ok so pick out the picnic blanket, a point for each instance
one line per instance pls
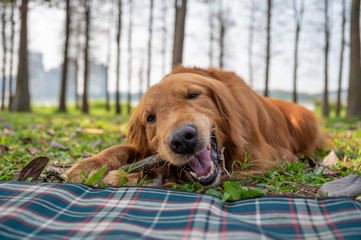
(74, 211)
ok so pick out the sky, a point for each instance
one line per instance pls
(46, 29)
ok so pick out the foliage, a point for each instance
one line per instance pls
(25, 136)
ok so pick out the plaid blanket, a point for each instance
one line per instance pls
(73, 211)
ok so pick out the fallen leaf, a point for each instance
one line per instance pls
(54, 144)
(330, 159)
(50, 132)
(97, 143)
(93, 130)
(33, 151)
(347, 187)
(33, 169)
(87, 155)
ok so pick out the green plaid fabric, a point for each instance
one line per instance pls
(73, 211)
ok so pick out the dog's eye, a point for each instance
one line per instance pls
(193, 95)
(151, 118)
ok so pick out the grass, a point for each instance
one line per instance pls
(33, 133)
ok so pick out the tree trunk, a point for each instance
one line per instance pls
(22, 96)
(118, 109)
(77, 97)
(298, 15)
(222, 32)
(85, 108)
(325, 106)
(12, 38)
(107, 97)
(164, 36)
(64, 73)
(354, 88)
(211, 32)
(338, 104)
(250, 41)
(130, 29)
(150, 33)
(268, 48)
(180, 16)
(3, 33)
(140, 75)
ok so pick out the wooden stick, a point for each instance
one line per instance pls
(146, 164)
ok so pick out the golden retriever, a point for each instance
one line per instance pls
(193, 114)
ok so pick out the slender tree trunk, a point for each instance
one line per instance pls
(130, 29)
(107, 97)
(338, 104)
(298, 15)
(85, 108)
(77, 98)
(222, 32)
(180, 16)
(3, 33)
(268, 47)
(22, 96)
(211, 32)
(140, 76)
(150, 33)
(12, 38)
(354, 88)
(64, 73)
(325, 106)
(118, 109)
(251, 27)
(164, 36)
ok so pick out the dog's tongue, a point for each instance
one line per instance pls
(201, 163)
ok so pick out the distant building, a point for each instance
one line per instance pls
(45, 85)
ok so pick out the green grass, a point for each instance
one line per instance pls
(34, 132)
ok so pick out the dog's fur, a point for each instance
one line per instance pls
(219, 104)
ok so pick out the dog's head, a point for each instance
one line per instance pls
(185, 119)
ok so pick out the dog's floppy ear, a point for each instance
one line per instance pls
(136, 136)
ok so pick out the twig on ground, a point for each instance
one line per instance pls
(146, 164)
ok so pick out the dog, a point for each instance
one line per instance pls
(202, 122)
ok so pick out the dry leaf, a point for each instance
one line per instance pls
(50, 132)
(330, 159)
(33, 151)
(93, 130)
(348, 187)
(87, 155)
(56, 145)
(33, 169)
(97, 143)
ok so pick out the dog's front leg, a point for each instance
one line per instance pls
(113, 157)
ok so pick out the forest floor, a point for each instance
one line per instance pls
(66, 138)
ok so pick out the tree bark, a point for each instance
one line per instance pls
(325, 106)
(22, 95)
(118, 108)
(130, 29)
(64, 73)
(354, 89)
(150, 33)
(211, 32)
(12, 38)
(298, 15)
(85, 107)
(3, 34)
(250, 40)
(222, 32)
(338, 104)
(164, 36)
(180, 16)
(268, 47)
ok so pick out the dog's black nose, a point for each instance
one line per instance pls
(183, 140)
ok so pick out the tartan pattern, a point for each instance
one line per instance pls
(74, 211)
